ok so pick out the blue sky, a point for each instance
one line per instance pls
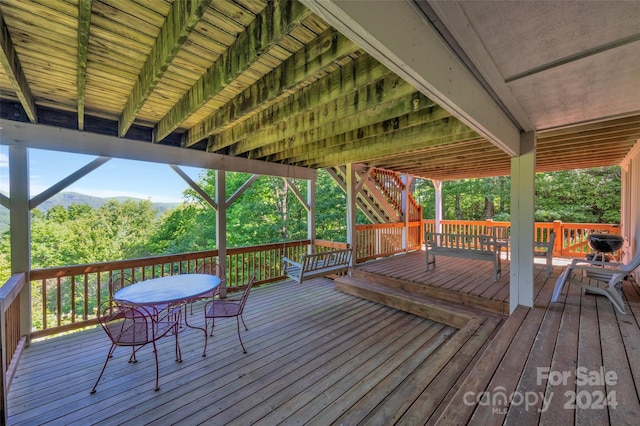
(155, 182)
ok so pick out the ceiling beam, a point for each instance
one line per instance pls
(402, 126)
(387, 116)
(324, 100)
(264, 32)
(84, 22)
(407, 133)
(377, 146)
(51, 138)
(420, 55)
(307, 116)
(13, 69)
(180, 22)
(291, 74)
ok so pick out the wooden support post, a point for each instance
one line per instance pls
(437, 185)
(522, 223)
(558, 244)
(311, 211)
(406, 180)
(19, 218)
(351, 210)
(221, 225)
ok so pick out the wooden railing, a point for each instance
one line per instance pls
(13, 342)
(571, 238)
(66, 298)
(390, 184)
(385, 239)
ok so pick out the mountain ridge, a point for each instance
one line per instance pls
(65, 199)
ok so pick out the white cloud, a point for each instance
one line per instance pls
(4, 160)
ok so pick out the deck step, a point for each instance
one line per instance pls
(453, 297)
(434, 309)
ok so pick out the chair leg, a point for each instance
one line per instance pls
(109, 355)
(243, 323)
(155, 354)
(610, 293)
(560, 284)
(240, 337)
(178, 351)
(212, 325)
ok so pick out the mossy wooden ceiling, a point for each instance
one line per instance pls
(262, 80)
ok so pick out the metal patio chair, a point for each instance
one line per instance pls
(119, 280)
(213, 268)
(229, 308)
(133, 325)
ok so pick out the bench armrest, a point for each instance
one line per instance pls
(291, 262)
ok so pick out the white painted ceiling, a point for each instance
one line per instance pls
(551, 63)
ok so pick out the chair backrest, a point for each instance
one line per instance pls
(213, 268)
(126, 323)
(119, 280)
(633, 264)
(245, 294)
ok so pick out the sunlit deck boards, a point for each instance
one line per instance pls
(314, 355)
(321, 357)
(464, 281)
(572, 341)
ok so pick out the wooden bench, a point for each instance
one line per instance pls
(545, 248)
(466, 246)
(317, 264)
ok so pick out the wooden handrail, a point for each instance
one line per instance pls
(65, 298)
(571, 238)
(13, 343)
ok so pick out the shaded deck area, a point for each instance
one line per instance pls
(320, 356)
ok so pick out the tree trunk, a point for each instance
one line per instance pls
(489, 208)
(458, 208)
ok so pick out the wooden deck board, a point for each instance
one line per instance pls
(425, 405)
(452, 280)
(319, 356)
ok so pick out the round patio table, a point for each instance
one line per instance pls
(171, 290)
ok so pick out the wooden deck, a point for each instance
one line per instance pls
(320, 356)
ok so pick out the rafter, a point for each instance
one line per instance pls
(312, 103)
(387, 112)
(180, 22)
(360, 150)
(265, 31)
(399, 127)
(317, 56)
(337, 104)
(11, 64)
(84, 22)
(453, 154)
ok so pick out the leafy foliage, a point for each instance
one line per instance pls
(589, 196)
(269, 211)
